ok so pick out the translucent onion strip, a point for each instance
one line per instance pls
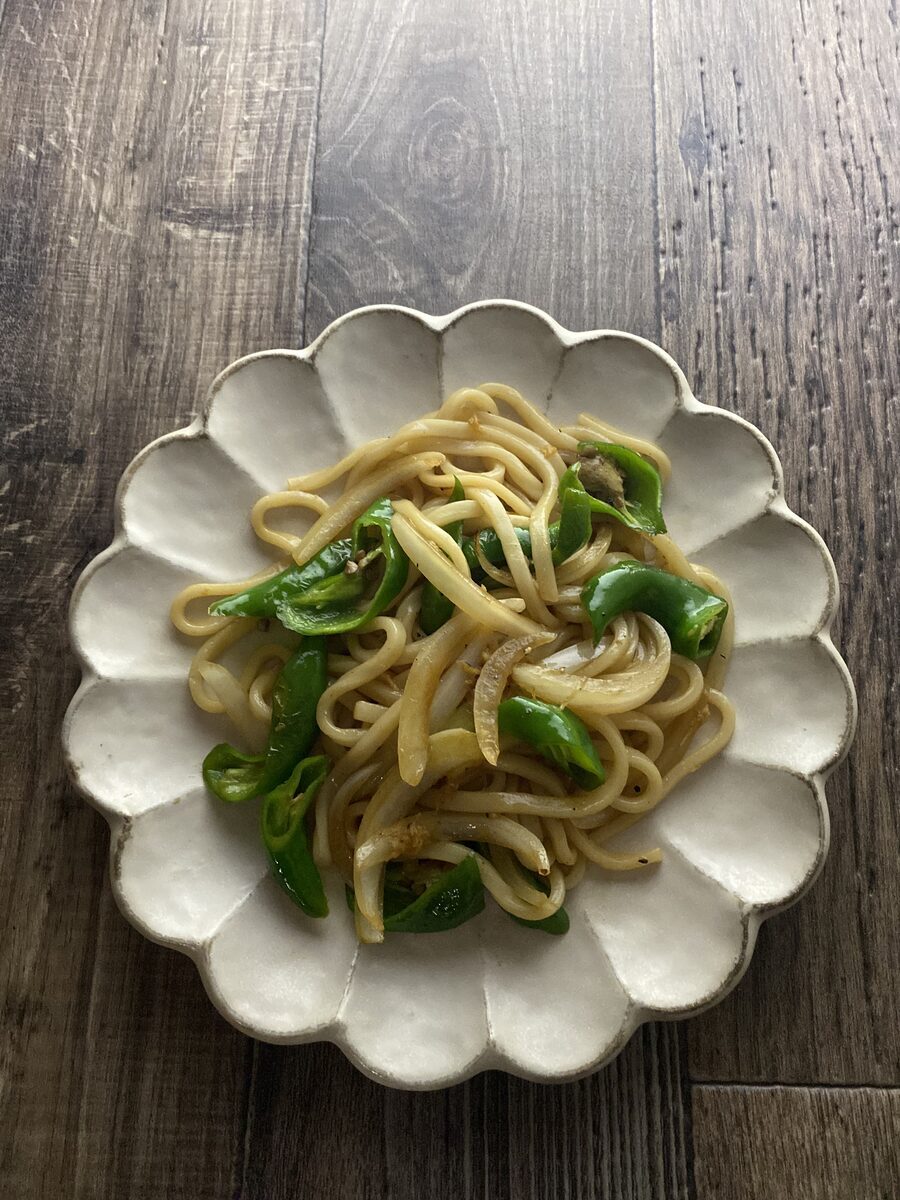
(491, 685)
(435, 534)
(482, 607)
(354, 502)
(615, 693)
(458, 680)
(415, 707)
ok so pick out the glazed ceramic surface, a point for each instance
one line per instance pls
(742, 838)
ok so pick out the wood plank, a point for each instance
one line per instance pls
(471, 150)
(778, 181)
(153, 221)
(796, 1143)
(467, 151)
(617, 1135)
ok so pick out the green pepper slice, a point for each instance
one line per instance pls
(285, 837)
(455, 897)
(436, 609)
(573, 529)
(344, 602)
(558, 734)
(234, 776)
(262, 599)
(619, 484)
(692, 616)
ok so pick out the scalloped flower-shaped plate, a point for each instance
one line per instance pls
(742, 838)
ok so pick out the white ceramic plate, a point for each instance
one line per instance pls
(742, 838)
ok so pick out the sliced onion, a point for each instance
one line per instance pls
(481, 606)
(492, 684)
(614, 693)
(457, 681)
(354, 502)
(434, 533)
(415, 708)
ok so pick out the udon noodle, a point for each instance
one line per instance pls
(420, 775)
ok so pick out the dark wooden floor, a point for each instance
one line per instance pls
(187, 180)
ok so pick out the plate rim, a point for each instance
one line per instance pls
(751, 915)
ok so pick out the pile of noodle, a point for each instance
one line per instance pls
(408, 721)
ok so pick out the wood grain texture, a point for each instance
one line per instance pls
(153, 220)
(184, 182)
(805, 1143)
(779, 194)
(617, 1135)
(475, 150)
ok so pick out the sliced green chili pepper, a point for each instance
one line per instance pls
(436, 609)
(558, 734)
(456, 896)
(285, 838)
(619, 484)
(692, 616)
(234, 776)
(573, 529)
(372, 577)
(262, 599)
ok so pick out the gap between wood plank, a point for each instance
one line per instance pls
(312, 179)
(772, 1085)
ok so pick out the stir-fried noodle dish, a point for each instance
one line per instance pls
(483, 660)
